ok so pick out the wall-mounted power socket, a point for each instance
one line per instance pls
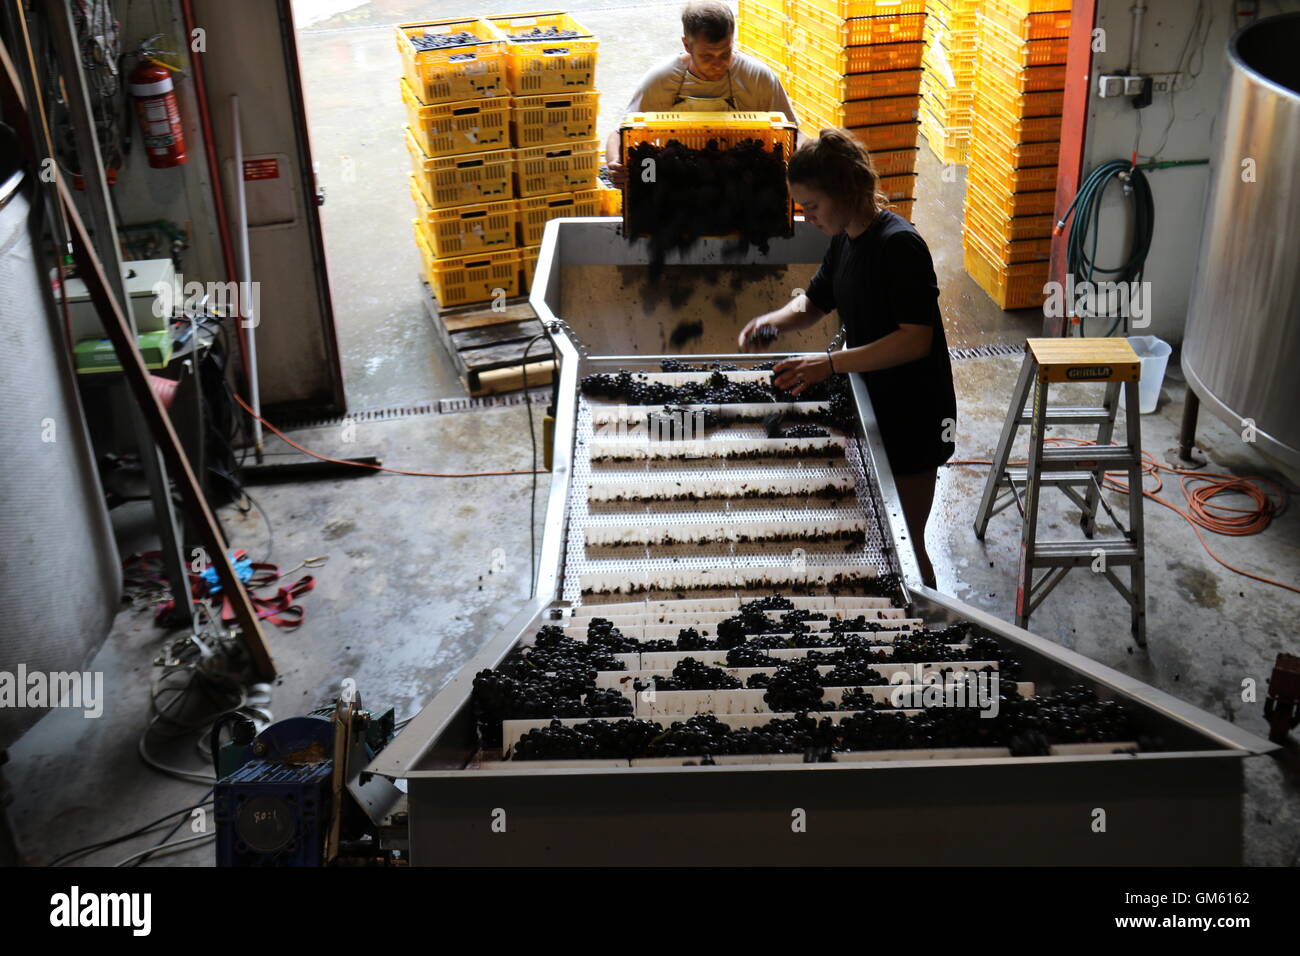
(1120, 84)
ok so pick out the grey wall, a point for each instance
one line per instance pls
(1113, 133)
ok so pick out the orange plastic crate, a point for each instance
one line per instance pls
(895, 162)
(1036, 6)
(536, 212)
(1011, 287)
(1041, 203)
(454, 73)
(1016, 129)
(561, 65)
(611, 200)
(842, 60)
(897, 188)
(856, 31)
(464, 126)
(1027, 26)
(463, 230)
(902, 208)
(467, 279)
(540, 170)
(553, 118)
(1017, 179)
(456, 180)
(886, 136)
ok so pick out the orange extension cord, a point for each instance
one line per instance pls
(361, 464)
(1200, 488)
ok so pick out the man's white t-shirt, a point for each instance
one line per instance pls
(752, 85)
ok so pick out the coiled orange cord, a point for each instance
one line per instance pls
(1200, 488)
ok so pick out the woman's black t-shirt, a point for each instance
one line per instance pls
(883, 279)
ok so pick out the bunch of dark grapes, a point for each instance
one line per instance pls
(850, 673)
(537, 34)
(690, 674)
(804, 431)
(615, 739)
(747, 655)
(796, 686)
(442, 41)
(603, 635)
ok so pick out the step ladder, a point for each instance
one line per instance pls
(1077, 471)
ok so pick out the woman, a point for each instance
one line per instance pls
(878, 275)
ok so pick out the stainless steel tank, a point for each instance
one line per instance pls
(1241, 348)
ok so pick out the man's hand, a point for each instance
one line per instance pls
(796, 374)
(758, 334)
(617, 174)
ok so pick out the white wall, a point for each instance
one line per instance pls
(1179, 193)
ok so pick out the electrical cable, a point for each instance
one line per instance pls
(361, 464)
(532, 437)
(1201, 511)
(165, 848)
(64, 858)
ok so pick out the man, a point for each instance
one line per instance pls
(708, 77)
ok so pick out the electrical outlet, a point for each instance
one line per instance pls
(1166, 82)
(1133, 85)
(1110, 84)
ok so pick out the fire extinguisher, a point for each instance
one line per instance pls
(160, 119)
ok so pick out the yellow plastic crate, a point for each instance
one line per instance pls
(843, 60)
(959, 41)
(1010, 251)
(467, 279)
(1017, 129)
(857, 31)
(540, 170)
(779, 68)
(846, 9)
(1024, 105)
(772, 50)
(950, 146)
(998, 43)
(1011, 287)
(1041, 203)
(454, 73)
(528, 265)
(452, 129)
(993, 169)
(761, 20)
(888, 109)
(895, 162)
(1027, 26)
(1011, 228)
(939, 61)
(557, 118)
(462, 230)
(948, 97)
(456, 180)
(537, 211)
(1017, 79)
(1032, 6)
(858, 86)
(1046, 153)
(697, 130)
(560, 65)
(777, 5)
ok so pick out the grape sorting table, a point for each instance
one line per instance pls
(659, 536)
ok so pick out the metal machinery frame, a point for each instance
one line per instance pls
(1178, 805)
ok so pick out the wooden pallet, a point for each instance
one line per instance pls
(487, 345)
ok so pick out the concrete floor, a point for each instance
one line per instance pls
(415, 582)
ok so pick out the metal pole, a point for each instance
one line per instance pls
(247, 316)
(105, 239)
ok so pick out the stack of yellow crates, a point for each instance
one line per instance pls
(859, 67)
(502, 136)
(1015, 146)
(948, 86)
(551, 70)
(763, 31)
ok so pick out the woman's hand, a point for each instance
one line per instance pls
(617, 174)
(796, 374)
(758, 334)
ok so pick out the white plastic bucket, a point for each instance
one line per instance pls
(1154, 353)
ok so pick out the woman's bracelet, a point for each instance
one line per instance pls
(831, 361)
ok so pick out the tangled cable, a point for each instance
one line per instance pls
(1200, 488)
